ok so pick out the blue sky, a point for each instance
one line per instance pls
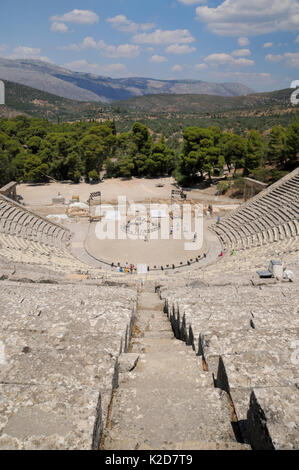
(253, 42)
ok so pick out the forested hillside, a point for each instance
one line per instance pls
(166, 115)
(163, 103)
(32, 149)
(33, 102)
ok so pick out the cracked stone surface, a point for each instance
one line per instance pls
(248, 337)
(58, 362)
(167, 400)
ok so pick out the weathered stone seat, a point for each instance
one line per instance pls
(60, 362)
(275, 206)
(271, 419)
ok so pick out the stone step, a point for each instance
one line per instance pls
(201, 445)
(159, 324)
(124, 443)
(149, 301)
(174, 413)
(151, 316)
(172, 369)
(158, 334)
(164, 345)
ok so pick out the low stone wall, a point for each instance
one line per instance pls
(253, 187)
(10, 190)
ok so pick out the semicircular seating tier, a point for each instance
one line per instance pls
(26, 237)
(270, 216)
(18, 221)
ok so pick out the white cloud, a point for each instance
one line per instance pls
(274, 58)
(297, 39)
(267, 44)
(77, 16)
(243, 41)
(115, 68)
(3, 47)
(178, 36)
(122, 23)
(240, 17)
(158, 59)
(223, 59)
(291, 58)
(59, 27)
(201, 66)
(24, 52)
(123, 50)
(255, 79)
(70, 47)
(88, 42)
(180, 49)
(191, 2)
(84, 66)
(177, 68)
(241, 53)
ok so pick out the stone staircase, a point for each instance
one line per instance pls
(166, 401)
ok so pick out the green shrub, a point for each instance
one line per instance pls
(277, 175)
(239, 184)
(94, 176)
(222, 188)
(261, 174)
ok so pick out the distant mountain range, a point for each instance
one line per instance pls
(78, 86)
(21, 99)
(33, 102)
(203, 104)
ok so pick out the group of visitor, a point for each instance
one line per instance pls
(128, 269)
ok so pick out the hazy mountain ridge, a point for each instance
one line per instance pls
(20, 98)
(89, 87)
(200, 104)
(33, 102)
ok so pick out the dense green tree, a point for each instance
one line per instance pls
(4, 168)
(255, 151)
(92, 151)
(277, 146)
(125, 167)
(201, 152)
(234, 148)
(33, 147)
(161, 161)
(34, 170)
(34, 144)
(292, 144)
(94, 176)
(106, 135)
(18, 165)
